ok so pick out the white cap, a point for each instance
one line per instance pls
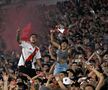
(67, 81)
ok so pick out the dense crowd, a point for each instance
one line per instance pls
(76, 59)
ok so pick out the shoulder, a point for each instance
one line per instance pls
(25, 42)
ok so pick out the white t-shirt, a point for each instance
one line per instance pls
(27, 50)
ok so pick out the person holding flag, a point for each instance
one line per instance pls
(30, 52)
(63, 54)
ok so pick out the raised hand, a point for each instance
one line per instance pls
(52, 31)
(5, 76)
(19, 29)
(57, 78)
(50, 76)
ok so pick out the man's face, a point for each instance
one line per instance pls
(45, 67)
(62, 75)
(13, 82)
(46, 59)
(33, 39)
(74, 66)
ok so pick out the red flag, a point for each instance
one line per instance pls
(26, 31)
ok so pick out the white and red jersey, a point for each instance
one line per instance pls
(27, 50)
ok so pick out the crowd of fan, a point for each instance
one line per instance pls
(86, 27)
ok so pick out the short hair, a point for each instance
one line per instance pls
(70, 70)
(64, 40)
(33, 34)
(64, 72)
(47, 56)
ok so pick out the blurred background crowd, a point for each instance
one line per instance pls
(86, 26)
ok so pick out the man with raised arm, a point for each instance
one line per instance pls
(30, 54)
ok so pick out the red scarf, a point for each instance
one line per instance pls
(32, 55)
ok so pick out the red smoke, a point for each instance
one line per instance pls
(19, 16)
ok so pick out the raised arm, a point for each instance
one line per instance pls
(91, 57)
(18, 35)
(48, 81)
(52, 39)
(60, 83)
(52, 68)
(27, 76)
(5, 79)
(39, 75)
(99, 58)
(101, 79)
(51, 54)
(95, 54)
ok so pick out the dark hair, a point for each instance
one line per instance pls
(44, 81)
(78, 71)
(47, 56)
(46, 65)
(92, 61)
(64, 40)
(11, 78)
(76, 84)
(39, 79)
(74, 62)
(70, 70)
(65, 73)
(33, 34)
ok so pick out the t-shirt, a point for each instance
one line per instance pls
(62, 55)
(27, 50)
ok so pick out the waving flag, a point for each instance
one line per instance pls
(62, 29)
(26, 31)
